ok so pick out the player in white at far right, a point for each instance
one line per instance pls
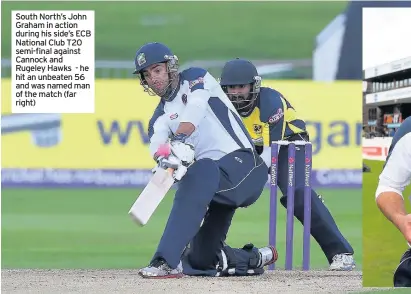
(216, 165)
(395, 176)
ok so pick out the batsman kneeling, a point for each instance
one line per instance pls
(196, 132)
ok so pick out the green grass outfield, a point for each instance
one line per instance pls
(197, 30)
(383, 243)
(66, 228)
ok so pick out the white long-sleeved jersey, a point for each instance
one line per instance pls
(200, 100)
(396, 175)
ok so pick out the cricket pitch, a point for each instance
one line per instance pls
(127, 281)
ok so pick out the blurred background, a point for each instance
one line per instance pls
(386, 104)
(68, 181)
(203, 34)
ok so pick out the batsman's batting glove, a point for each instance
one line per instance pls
(169, 162)
(179, 173)
(174, 163)
(181, 150)
(159, 160)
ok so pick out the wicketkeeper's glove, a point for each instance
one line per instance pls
(259, 145)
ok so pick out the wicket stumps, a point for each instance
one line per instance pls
(275, 148)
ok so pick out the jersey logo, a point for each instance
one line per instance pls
(184, 99)
(200, 80)
(276, 116)
(174, 116)
(257, 129)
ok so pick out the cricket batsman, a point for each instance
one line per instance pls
(395, 176)
(196, 131)
(269, 116)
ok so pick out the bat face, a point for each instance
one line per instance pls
(149, 199)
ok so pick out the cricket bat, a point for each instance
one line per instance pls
(149, 199)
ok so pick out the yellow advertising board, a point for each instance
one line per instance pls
(115, 137)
